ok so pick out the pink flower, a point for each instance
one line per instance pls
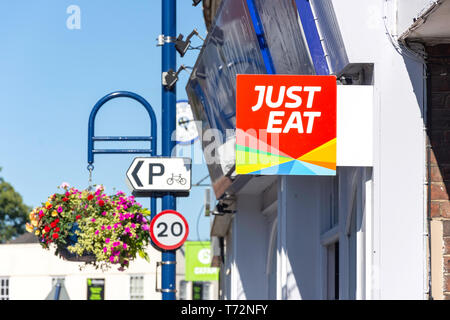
(127, 230)
(107, 240)
(64, 185)
(103, 228)
(105, 249)
(60, 209)
(125, 246)
(96, 232)
(133, 225)
(93, 219)
(108, 227)
(104, 213)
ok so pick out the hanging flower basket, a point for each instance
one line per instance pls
(91, 227)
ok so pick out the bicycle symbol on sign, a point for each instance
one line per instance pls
(176, 178)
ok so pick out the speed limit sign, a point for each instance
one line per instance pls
(169, 230)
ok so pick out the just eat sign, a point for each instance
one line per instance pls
(285, 125)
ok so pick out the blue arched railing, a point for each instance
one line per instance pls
(91, 138)
(152, 138)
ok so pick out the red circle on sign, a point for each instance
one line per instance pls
(154, 237)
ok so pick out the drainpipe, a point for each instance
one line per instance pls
(427, 98)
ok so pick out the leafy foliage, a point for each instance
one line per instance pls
(13, 212)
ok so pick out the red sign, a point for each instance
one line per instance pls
(286, 124)
(169, 230)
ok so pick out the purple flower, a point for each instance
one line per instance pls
(115, 244)
(145, 227)
(116, 225)
(127, 230)
(133, 225)
(60, 209)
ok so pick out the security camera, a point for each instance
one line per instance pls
(170, 78)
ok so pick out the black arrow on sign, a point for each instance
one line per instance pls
(135, 171)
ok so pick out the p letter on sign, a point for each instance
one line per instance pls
(285, 125)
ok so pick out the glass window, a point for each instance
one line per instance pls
(333, 271)
(56, 280)
(137, 287)
(207, 287)
(4, 288)
(183, 290)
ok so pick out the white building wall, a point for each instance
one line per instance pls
(399, 250)
(30, 270)
(250, 249)
(299, 237)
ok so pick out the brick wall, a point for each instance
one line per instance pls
(439, 135)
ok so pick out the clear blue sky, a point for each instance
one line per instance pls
(50, 78)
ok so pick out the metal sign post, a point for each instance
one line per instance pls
(168, 272)
(168, 286)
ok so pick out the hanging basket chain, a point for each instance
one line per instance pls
(90, 168)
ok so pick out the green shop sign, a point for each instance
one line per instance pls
(198, 261)
(95, 289)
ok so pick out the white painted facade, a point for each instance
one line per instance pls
(30, 269)
(280, 243)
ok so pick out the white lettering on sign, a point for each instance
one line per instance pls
(295, 120)
(205, 270)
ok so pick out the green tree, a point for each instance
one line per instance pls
(13, 212)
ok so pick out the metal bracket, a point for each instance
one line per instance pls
(159, 264)
(162, 39)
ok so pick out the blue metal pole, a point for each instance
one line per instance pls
(168, 285)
